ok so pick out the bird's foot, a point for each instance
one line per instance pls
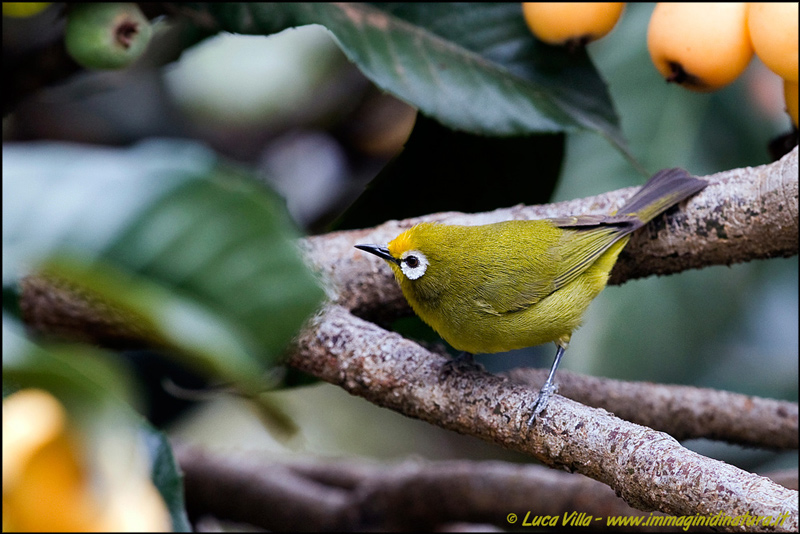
(541, 401)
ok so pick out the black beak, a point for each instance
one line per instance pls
(381, 252)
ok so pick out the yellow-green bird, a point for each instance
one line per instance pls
(515, 284)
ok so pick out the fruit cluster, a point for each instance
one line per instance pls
(701, 46)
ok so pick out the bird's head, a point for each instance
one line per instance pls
(404, 253)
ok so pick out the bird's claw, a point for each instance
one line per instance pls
(541, 401)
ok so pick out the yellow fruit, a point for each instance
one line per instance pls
(44, 467)
(701, 46)
(790, 96)
(571, 23)
(774, 34)
(50, 485)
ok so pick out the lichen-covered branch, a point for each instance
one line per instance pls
(649, 469)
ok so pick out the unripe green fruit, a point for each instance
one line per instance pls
(106, 36)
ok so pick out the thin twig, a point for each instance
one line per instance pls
(684, 412)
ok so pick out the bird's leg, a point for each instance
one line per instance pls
(549, 387)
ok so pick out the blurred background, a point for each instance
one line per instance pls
(291, 107)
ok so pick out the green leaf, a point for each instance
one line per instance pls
(198, 253)
(60, 195)
(163, 318)
(472, 67)
(227, 239)
(167, 476)
(85, 379)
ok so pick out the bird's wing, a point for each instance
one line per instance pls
(521, 284)
(582, 249)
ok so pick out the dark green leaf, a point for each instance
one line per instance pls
(472, 67)
(167, 476)
(202, 256)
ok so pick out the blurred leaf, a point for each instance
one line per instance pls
(443, 170)
(84, 378)
(167, 477)
(162, 317)
(472, 67)
(230, 242)
(201, 256)
(60, 195)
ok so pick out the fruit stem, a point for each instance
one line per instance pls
(126, 32)
(681, 77)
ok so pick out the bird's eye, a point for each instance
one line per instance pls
(414, 264)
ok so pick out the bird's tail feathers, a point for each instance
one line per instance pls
(665, 189)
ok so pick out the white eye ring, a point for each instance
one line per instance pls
(413, 264)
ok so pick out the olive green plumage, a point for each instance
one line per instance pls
(516, 284)
(530, 289)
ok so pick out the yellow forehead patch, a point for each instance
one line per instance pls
(414, 238)
(401, 243)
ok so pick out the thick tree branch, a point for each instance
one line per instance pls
(684, 412)
(649, 469)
